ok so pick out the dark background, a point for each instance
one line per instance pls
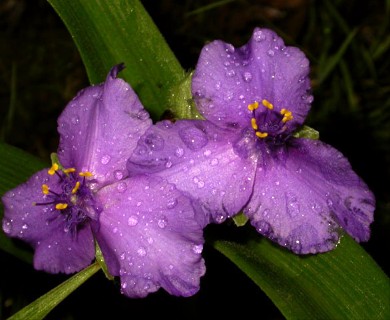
(41, 70)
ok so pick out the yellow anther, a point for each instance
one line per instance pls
(253, 106)
(85, 174)
(69, 170)
(261, 134)
(76, 187)
(267, 104)
(61, 206)
(53, 169)
(45, 189)
(254, 124)
(287, 115)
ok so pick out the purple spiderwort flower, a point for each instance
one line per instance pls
(147, 230)
(297, 192)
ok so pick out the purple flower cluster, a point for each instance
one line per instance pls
(144, 192)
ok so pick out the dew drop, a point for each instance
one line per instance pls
(230, 73)
(121, 187)
(118, 174)
(179, 152)
(197, 248)
(7, 225)
(154, 141)
(162, 222)
(207, 153)
(214, 162)
(141, 251)
(105, 159)
(264, 228)
(259, 36)
(168, 164)
(75, 120)
(293, 206)
(24, 227)
(193, 138)
(247, 76)
(171, 203)
(142, 114)
(132, 221)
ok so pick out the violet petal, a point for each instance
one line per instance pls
(302, 201)
(44, 228)
(100, 127)
(201, 161)
(227, 79)
(150, 237)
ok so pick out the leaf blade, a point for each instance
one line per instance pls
(345, 283)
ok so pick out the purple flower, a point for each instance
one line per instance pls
(244, 157)
(148, 232)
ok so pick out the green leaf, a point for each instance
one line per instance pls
(16, 166)
(307, 132)
(345, 283)
(111, 32)
(42, 306)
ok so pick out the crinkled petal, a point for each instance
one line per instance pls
(56, 250)
(227, 79)
(302, 201)
(150, 236)
(100, 127)
(200, 160)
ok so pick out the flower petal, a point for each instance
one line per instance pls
(150, 237)
(301, 201)
(227, 79)
(56, 250)
(200, 160)
(100, 127)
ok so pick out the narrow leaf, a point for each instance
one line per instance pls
(42, 306)
(345, 283)
(111, 32)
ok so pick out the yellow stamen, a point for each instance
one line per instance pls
(267, 104)
(76, 187)
(61, 206)
(53, 169)
(287, 115)
(261, 134)
(254, 124)
(85, 174)
(253, 106)
(45, 189)
(69, 170)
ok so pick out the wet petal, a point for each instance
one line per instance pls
(302, 201)
(227, 79)
(100, 127)
(56, 249)
(150, 237)
(201, 161)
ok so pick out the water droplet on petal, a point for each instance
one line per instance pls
(259, 36)
(264, 228)
(193, 138)
(105, 159)
(230, 73)
(7, 225)
(247, 76)
(197, 248)
(162, 222)
(75, 120)
(172, 203)
(293, 206)
(118, 174)
(132, 221)
(24, 227)
(122, 186)
(154, 141)
(179, 152)
(141, 251)
(214, 162)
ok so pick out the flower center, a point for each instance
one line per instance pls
(267, 122)
(71, 197)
